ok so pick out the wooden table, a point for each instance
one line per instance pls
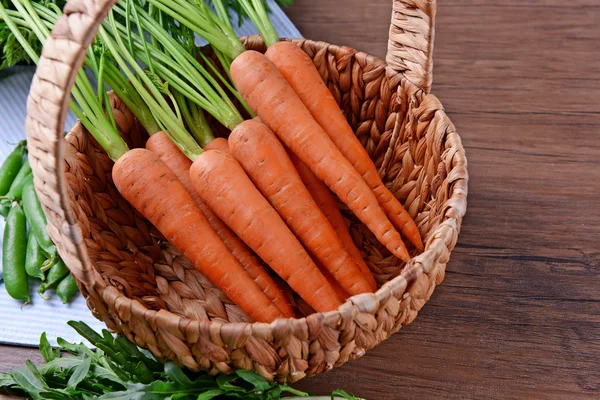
(519, 313)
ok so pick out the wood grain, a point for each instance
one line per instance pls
(519, 313)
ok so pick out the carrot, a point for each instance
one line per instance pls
(275, 102)
(167, 151)
(299, 71)
(211, 96)
(152, 188)
(337, 288)
(218, 144)
(267, 164)
(222, 144)
(327, 204)
(224, 186)
(267, 93)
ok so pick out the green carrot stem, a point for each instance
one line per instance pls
(97, 124)
(17, 33)
(195, 120)
(181, 70)
(151, 95)
(111, 75)
(225, 62)
(222, 13)
(198, 19)
(228, 85)
(258, 14)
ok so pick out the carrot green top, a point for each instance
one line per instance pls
(198, 17)
(174, 70)
(258, 15)
(87, 106)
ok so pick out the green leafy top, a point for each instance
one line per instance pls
(13, 53)
(117, 369)
(87, 106)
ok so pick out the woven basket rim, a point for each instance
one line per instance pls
(398, 284)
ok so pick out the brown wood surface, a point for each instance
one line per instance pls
(519, 313)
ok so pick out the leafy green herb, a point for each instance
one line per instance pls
(119, 370)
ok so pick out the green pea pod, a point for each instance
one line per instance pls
(4, 207)
(16, 189)
(67, 288)
(10, 168)
(36, 218)
(55, 275)
(35, 259)
(14, 247)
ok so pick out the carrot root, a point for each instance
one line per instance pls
(224, 186)
(299, 71)
(152, 188)
(327, 204)
(218, 144)
(268, 165)
(169, 153)
(275, 102)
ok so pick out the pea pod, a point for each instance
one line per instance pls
(67, 288)
(16, 189)
(10, 168)
(14, 247)
(36, 218)
(4, 207)
(34, 259)
(55, 275)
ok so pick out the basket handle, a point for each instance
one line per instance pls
(47, 105)
(410, 43)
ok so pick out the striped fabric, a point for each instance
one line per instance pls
(23, 325)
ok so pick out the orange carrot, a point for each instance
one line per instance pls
(299, 71)
(224, 186)
(337, 288)
(326, 203)
(153, 189)
(267, 164)
(275, 102)
(218, 144)
(169, 153)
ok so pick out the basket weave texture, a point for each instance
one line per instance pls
(142, 287)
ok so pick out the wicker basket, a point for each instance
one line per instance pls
(143, 288)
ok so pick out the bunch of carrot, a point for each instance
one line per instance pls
(265, 193)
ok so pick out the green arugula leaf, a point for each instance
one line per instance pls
(157, 390)
(97, 375)
(295, 392)
(88, 333)
(79, 374)
(259, 383)
(28, 382)
(6, 380)
(175, 374)
(210, 394)
(181, 396)
(35, 372)
(142, 372)
(274, 393)
(58, 366)
(225, 383)
(340, 393)
(56, 395)
(75, 349)
(47, 351)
